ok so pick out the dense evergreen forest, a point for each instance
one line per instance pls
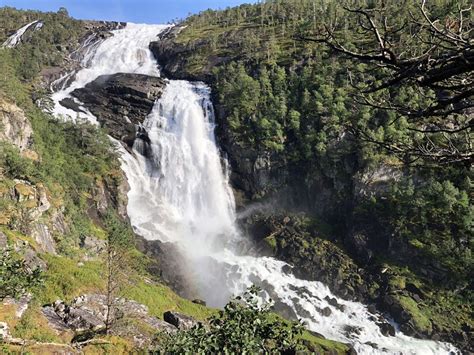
(343, 94)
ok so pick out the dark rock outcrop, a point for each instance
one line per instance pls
(120, 102)
(87, 313)
(179, 320)
(174, 57)
(168, 262)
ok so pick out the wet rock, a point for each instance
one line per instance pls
(352, 331)
(371, 308)
(373, 345)
(326, 311)
(180, 321)
(169, 264)
(387, 329)
(121, 102)
(333, 302)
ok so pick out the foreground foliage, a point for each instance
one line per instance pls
(243, 326)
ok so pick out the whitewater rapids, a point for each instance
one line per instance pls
(181, 195)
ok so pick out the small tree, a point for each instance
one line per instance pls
(16, 278)
(117, 257)
(63, 12)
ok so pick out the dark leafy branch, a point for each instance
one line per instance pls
(435, 59)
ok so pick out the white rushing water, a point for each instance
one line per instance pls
(181, 195)
(16, 38)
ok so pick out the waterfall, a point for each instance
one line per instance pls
(181, 194)
(16, 38)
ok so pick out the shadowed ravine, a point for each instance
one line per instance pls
(180, 194)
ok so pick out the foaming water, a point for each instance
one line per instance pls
(180, 194)
(124, 52)
(16, 38)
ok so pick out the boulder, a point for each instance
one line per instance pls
(89, 312)
(120, 102)
(387, 329)
(180, 321)
(42, 235)
(93, 246)
(4, 332)
(326, 311)
(199, 302)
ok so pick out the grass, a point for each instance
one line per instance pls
(160, 298)
(324, 345)
(65, 279)
(34, 326)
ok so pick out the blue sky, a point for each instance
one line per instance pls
(139, 11)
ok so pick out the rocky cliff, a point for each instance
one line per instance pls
(120, 102)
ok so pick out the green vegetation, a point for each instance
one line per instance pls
(246, 325)
(33, 325)
(420, 320)
(44, 48)
(286, 86)
(15, 277)
(75, 163)
(242, 327)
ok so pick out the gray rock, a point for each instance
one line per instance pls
(54, 320)
(120, 102)
(181, 321)
(199, 301)
(88, 312)
(387, 329)
(59, 223)
(14, 126)
(3, 240)
(32, 260)
(326, 311)
(93, 246)
(42, 235)
(4, 331)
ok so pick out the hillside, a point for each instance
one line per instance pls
(346, 127)
(74, 276)
(355, 197)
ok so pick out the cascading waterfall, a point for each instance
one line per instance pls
(181, 195)
(17, 37)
